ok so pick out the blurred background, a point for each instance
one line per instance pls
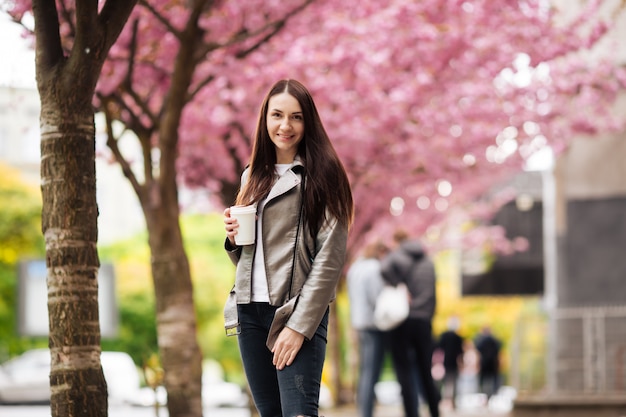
(534, 251)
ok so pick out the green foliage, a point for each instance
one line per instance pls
(20, 237)
(11, 343)
(20, 214)
(214, 276)
(137, 332)
(8, 291)
(135, 298)
(20, 218)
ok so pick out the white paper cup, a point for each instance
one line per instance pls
(246, 217)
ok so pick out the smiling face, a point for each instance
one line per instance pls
(285, 126)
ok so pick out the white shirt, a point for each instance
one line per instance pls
(260, 292)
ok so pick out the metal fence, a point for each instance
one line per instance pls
(571, 350)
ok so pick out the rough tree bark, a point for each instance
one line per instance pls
(66, 81)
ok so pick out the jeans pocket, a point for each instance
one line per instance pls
(322, 329)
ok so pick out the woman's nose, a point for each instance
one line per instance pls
(285, 123)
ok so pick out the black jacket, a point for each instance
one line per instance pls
(411, 265)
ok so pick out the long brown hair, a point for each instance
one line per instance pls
(327, 187)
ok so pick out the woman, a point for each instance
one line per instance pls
(286, 280)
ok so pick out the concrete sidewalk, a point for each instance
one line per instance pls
(396, 411)
(469, 404)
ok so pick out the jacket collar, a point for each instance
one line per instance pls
(290, 179)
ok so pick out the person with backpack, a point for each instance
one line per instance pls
(412, 342)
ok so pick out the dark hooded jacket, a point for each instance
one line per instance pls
(411, 265)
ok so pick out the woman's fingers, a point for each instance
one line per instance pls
(286, 348)
(231, 225)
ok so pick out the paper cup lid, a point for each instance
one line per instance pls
(243, 209)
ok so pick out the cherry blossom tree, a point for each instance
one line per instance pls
(147, 90)
(429, 103)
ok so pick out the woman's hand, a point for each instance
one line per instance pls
(286, 348)
(231, 225)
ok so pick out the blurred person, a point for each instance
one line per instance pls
(412, 342)
(450, 343)
(285, 281)
(365, 282)
(488, 347)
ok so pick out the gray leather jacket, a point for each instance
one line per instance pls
(309, 271)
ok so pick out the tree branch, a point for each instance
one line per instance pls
(177, 97)
(242, 35)
(162, 19)
(48, 49)
(113, 17)
(143, 133)
(200, 86)
(87, 50)
(275, 27)
(127, 83)
(112, 144)
(86, 16)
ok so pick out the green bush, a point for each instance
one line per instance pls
(20, 237)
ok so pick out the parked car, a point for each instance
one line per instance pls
(216, 392)
(25, 378)
(223, 394)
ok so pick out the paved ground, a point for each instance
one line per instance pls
(470, 405)
(346, 411)
(118, 411)
(395, 411)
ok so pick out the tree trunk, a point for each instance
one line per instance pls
(335, 354)
(70, 228)
(66, 85)
(175, 313)
(66, 82)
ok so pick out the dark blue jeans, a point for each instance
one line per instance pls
(295, 390)
(372, 346)
(412, 350)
